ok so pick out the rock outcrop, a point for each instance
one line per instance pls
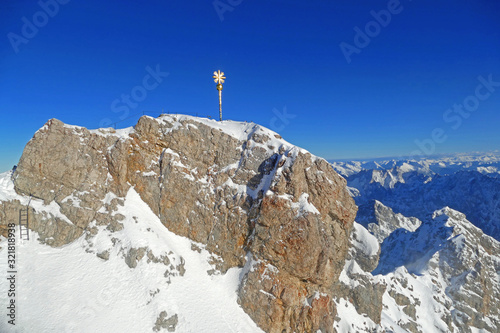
(381, 220)
(250, 197)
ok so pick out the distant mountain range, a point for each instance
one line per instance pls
(469, 183)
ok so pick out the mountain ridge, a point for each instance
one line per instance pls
(237, 188)
(149, 228)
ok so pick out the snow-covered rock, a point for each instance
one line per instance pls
(486, 163)
(274, 218)
(441, 277)
(436, 271)
(142, 278)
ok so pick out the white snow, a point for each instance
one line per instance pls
(351, 320)
(303, 205)
(364, 240)
(239, 130)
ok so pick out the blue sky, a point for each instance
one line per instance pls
(344, 80)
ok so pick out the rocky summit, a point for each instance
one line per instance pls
(235, 189)
(185, 224)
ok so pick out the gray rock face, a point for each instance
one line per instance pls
(55, 230)
(381, 220)
(386, 221)
(237, 188)
(356, 284)
(163, 323)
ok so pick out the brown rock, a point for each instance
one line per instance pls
(258, 194)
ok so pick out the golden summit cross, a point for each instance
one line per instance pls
(219, 79)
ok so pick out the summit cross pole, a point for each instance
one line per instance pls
(219, 79)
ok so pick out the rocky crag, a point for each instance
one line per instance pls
(254, 200)
(441, 276)
(417, 265)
